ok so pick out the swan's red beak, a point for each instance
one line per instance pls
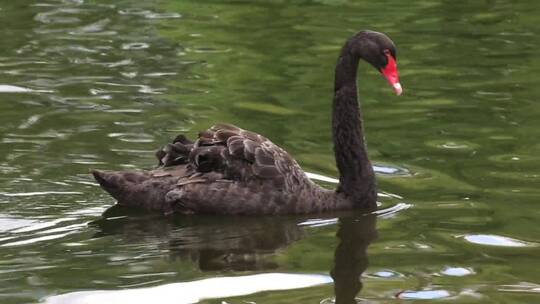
(391, 74)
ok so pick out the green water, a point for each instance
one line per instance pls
(101, 84)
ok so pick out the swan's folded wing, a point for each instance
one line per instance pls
(237, 154)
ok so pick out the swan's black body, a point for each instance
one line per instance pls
(228, 170)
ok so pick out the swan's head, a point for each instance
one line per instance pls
(379, 51)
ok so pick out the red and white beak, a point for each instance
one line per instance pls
(391, 74)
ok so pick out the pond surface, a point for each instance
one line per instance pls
(102, 84)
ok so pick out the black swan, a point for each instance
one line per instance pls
(228, 170)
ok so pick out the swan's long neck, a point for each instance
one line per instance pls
(357, 179)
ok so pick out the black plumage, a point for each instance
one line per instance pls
(228, 170)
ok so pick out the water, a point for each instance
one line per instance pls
(101, 84)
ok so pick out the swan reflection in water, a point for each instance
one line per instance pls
(235, 244)
(350, 257)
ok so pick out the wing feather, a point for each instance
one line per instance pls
(263, 158)
(234, 154)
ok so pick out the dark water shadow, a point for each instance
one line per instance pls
(355, 234)
(217, 243)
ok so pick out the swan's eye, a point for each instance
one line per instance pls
(388, 52)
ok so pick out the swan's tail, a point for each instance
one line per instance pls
(137, 189)
(115, 183)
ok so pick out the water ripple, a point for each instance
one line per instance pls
(523, 287)
(393, 210)
(148, 14)
(135, 46)
(41, 225)
(132, 137)
(95, 28)
(162, 15)
(40, 193)
(35, 240)
(319, 222)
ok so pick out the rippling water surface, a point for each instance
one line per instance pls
(101, 84)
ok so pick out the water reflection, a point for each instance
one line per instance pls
(351, 259)
(233, 244)
(212, 243)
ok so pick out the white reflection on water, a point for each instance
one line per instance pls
(496, 240)
(8, 223)
(524, 287)
(195, 291)
(424, 294)
(30, 231)
(319, 222)
(35, 240)
(6, 88)
(381, 213)
(323, 178)
(385, 170)
(40, 193)
(392, 210)
(457, 271)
